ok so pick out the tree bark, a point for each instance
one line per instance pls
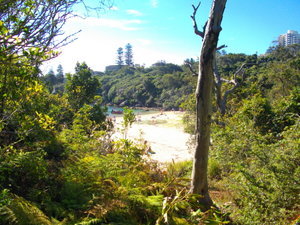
(235, 82)
(199, 184)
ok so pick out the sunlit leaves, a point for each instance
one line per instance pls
(45, 121)
(81, 87)
(3, 29)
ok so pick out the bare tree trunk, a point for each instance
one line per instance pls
(238, 79)
(218, 89)
(199, 184)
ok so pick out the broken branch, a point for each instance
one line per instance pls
(196, 30)
(189, 64)
(220, 47)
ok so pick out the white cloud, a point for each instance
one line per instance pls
(154, 3)
(97, 50)
(101, 50)
(134, 12)
(100, 38)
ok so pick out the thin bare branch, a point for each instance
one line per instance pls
(228, 81)
(241, 70)
(222, 100)
(221, 47)
(189, 64)
(193, 16)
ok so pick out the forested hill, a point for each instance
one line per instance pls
(162, 85)
(167, 86)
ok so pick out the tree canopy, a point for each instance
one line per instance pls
(128, 55)
(81, 87)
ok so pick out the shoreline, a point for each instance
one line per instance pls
(137, 110)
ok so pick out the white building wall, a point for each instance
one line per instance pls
(290, 38)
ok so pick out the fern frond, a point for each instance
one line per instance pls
(8, 214)
(22, 212)
(91, 222)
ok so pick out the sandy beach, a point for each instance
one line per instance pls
(163, 131)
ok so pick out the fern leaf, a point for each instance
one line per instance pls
(22, 212)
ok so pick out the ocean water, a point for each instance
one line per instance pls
(135, 110)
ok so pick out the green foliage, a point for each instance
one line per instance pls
(214, 169)
(162, 85)
(229, 63)
(171, 206)
(54, 82)
(287, 110)
(183, 208)
(260, 170)
(5, 198)
(109, 186)
(81, 87)
(23, 172)
(89, 118)
(128, 119)
(180, 169)
(281, 53)
(128, 55)
(283, 77)
(189, 118)
(119, 60)
(271, 181)
(91, 222)
(57, 157)
(60, 110)
(254, 155)
(258, 110)
(21, 212)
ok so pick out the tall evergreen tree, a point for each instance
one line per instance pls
(60, 74)
(128, 55)
(120, 53)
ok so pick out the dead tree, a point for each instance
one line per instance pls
(236, 81)
(210, 35)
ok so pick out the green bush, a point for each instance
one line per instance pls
(180, 169)
(22, 171)
(261, 174)
(214, 169)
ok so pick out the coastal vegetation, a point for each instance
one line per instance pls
(60, 165)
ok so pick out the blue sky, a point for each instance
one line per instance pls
(162, 30)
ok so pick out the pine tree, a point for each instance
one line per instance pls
(128, 55)
(60, 74)
(120, 53)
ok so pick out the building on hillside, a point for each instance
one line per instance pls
(113, 68)
(290, 38)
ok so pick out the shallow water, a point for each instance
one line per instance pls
(136, 111)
